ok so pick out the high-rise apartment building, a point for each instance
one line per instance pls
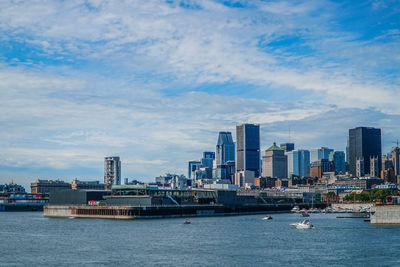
(274, 162)
(287, 147)
(298, 163)
(112, 171)
(339, 161)
(364, 144)
(320, 153)
(248, 148)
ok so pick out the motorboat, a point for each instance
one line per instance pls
(295, 209)
(303, 225)
(187, 221)
(304, 214)
(267, 218)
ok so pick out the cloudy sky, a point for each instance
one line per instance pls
(154, 81)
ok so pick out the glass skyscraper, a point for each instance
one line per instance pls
(298, 163)
(364, 144)
(207, 160)
(225, 150)
(320, 153)
(338, 159)
(248, 148)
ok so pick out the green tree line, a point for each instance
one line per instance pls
(373, 195)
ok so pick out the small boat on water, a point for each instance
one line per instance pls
(295, 209)
(304, 214)
(302, 225)
(267, 218)
(186, 221)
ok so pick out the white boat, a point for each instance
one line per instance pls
(303, 225)
(267, 218)
(295, 209)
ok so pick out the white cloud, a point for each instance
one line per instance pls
(120, 61)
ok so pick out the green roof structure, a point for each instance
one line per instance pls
(274, 147)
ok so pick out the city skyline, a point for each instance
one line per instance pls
(89, 81)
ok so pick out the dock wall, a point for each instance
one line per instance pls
(386, 214)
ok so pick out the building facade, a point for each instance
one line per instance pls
(248, 148)
(193, 166)
(318, 168)
(320, 153)
(339, 161)
(287, 147)
(86, 185)
(364, 143)
(207, 159)
(298, 162)
(274, 162)
(48, 186)
(112, 171)
(225, 149)
(224, 157)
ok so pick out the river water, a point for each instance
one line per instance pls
(29, 239)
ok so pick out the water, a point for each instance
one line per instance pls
(29, 239)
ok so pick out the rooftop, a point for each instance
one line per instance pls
(275, 147)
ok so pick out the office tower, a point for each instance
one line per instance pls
(112, 171)
(394, 157)
(388, 173)
(207, 160)
(298, 163)
(193, 166)
(363, 143)
(225, 150)
(287, 147)
(248, 148)
(274, 163)
(224, 157)
(320, 153)
(338, 159)
(391, 166)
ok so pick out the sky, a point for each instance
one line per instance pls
(155, 81)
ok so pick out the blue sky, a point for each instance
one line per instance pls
(154, 81)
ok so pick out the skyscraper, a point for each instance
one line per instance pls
(193, 166)
(298, 162)
(338, 159)
(225, 150)
(274, 163)
(317, 154)
(225, 157)
(207, 160)
(364, 144)
(248, 148)
(112, 171)
(287, 147)
(394, 156)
